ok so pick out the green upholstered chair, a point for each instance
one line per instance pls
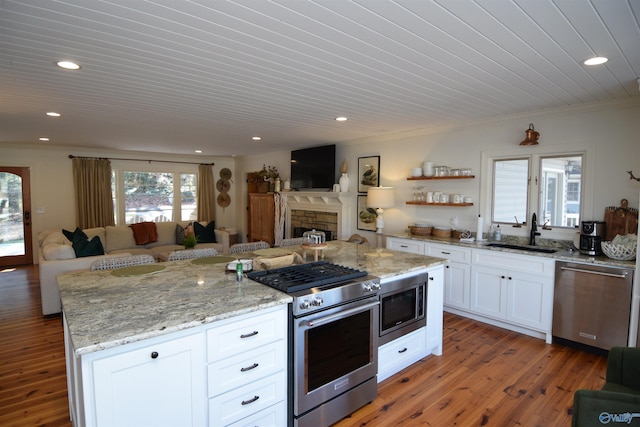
(618, 403)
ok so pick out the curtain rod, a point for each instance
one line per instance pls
(71, 156)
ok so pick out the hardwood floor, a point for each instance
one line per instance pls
(487, 376)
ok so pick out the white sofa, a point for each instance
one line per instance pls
(56, 255)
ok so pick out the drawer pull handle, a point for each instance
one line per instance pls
(246, 402)
(446, 253)
(403, 350)
(154, 355)
(404, 246)
(248, 368)
(431, 277)
(249, 335)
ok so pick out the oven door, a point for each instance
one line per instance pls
(334, 350)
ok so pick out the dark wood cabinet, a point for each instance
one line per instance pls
(261, 217)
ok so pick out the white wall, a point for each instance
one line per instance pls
(609, 131)
(52, 181)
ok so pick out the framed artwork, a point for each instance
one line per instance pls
(368, 173)
(366, 215)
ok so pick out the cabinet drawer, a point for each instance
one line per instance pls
(402, 352)
(246, 367)
(405, 245)
(450, 252)
(274, 416)
(247, 400)
(245, 334)
(514, 262)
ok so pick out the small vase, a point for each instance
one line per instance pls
(344, 183)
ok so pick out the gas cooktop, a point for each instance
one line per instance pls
(297, 278)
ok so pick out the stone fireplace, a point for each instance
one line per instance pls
(325, 211)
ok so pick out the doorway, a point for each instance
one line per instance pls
(16, 247)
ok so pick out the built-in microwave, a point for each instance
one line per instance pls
(403, 305)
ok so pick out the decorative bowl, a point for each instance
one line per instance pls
(619, 252)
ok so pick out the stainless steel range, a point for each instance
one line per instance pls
(334, 339)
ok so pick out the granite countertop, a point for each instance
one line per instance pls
(565, 250)
(103, 310)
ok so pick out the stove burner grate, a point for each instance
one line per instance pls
(305, 276)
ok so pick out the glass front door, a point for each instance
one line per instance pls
(15, 217)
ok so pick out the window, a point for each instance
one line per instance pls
(154, 196)
(549, 185)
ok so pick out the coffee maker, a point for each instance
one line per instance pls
(591, 234)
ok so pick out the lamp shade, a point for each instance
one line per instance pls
(380, 197)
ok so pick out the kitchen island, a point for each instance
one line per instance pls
(163, 343)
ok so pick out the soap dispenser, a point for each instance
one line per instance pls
(498, 233)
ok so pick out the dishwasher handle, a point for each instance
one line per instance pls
(622, 275)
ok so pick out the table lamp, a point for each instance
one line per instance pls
(380, 198)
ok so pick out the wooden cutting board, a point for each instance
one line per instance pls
(621, 220)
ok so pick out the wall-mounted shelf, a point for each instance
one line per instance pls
(424, 178)
(438, 204)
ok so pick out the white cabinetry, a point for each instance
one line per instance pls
(513, 291)
(405, 245)
(246, 372)
(457, 273)
(237, 364)
(152, 382)
(514, 288)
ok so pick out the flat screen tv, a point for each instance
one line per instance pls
(313, 168)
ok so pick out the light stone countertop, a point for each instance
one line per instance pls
(104, 311)
(565, 250)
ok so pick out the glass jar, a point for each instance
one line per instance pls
(314, 238)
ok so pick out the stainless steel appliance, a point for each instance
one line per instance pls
(592, 304)
(403, 305)
(591, 235)
(333, 336)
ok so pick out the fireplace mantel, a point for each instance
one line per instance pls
(334, 202)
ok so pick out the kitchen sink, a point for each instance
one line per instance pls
(522, 247)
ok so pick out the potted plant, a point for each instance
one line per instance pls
(265, 178)
(190, 241)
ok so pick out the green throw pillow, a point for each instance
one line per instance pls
(84, 247)
(205, 234)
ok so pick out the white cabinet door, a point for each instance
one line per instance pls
(405, 245)
(435, 297)
(457, 280)
(457, 285)
(528, 297)
(162, 384)
(489, 292)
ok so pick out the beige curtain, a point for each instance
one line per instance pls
(92, 183)
(206, 199)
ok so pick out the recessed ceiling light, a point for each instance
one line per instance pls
(256, 138)
(53, 114)
(198, 151)
(341, 119)
(68, 65)
(597, 60)
(43, 139)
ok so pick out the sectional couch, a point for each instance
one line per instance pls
(56, 254)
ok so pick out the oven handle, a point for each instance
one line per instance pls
(332, 317)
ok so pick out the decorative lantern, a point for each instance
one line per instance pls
(532, 136)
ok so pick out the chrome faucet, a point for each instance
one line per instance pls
(534, 230)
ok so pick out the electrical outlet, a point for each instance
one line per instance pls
(40, 210)
(454, 221)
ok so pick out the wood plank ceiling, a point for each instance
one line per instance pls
(175, 75)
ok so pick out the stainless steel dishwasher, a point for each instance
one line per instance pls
(592, 304)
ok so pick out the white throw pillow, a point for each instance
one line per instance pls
(56, 251)
(56, 237)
